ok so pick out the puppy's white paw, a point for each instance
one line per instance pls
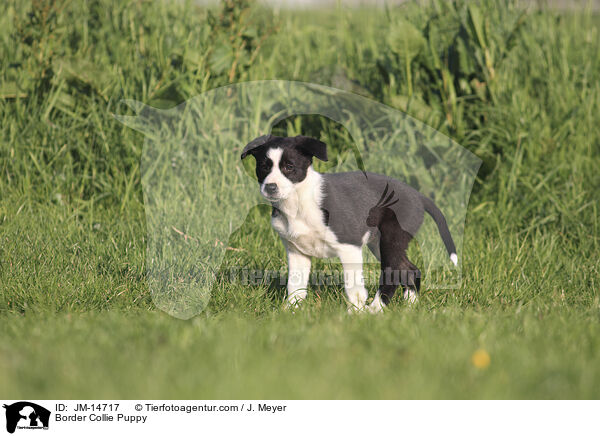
(357, 298)
(375, 309)
(377, 305)
(294, 299)
(411, 296)
(352, 309)
(292, 304)
(290, 307)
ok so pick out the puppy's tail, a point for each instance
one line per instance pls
(439, 219)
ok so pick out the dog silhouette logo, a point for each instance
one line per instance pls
(26, 415)
(198, 192)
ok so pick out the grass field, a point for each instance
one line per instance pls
(519, 89)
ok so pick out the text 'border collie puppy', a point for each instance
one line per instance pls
(335, 215)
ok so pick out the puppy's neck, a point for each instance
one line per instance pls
(307, 196)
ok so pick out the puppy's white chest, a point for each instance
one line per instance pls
(306, 234)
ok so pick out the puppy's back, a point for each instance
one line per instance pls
(348, 198)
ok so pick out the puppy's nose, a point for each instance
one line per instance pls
(271, 188)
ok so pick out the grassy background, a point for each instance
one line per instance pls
(521, 90)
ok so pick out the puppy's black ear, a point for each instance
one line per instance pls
(254, 145)
(312, 147)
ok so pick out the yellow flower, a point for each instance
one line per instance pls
(480, 359)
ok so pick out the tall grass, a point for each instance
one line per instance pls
(521, 89)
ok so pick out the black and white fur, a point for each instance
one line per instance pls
(335, 215)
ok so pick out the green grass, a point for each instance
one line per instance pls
(320, 353)
(76, 316)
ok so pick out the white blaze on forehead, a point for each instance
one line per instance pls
(275, 155)
(275, 175)
(284, 185)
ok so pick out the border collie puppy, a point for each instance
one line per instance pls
(335, 215)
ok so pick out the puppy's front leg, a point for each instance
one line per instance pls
(298, 274)
(354, 282)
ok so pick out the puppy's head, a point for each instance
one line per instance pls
(282, 163)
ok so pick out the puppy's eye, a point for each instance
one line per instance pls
(288, 167)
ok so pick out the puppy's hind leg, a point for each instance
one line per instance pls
(389, 281)
(410, 279)
(396, 269)
(375, 249)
